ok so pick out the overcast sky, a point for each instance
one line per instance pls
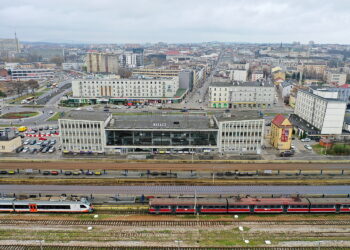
(138, 21)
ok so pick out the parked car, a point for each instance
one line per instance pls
(68, 173)
(26, 142)
(3, 172)
(25, 150)
(11, 172)
(76, 173)
(46, 172)
(19, 149)
(39, 143)
(308, 147)
(287, 153)
(54, 173)
(306, 140)
(98, 173)
(52, 149)
(53, 142)
(89, 173)
(32, 142)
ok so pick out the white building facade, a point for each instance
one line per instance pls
(31, 74)
(83, 134)
(126, 88)
(238, 95)
(240, 136)
(327, 115)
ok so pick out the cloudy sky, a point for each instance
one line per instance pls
(137, 21)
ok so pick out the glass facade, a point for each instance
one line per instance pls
(161, 138)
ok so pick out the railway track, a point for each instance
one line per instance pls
(172, 223)
(59, 247)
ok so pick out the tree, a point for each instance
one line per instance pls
(2, 94)
(57, 60)
(124, 73)
(18, 87)
(32, 84)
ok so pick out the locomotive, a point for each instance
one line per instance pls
(46, 205)
(248, 205)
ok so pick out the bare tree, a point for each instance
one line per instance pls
(124, 73)
(18, 87)
(33, 85)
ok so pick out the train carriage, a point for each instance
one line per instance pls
(329, 205)
(45, 205)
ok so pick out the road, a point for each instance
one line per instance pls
(175, 190)
(96, 164)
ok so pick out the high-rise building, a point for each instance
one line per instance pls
(102, 63)
(132, 58)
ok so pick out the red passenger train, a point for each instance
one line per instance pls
(248, 205)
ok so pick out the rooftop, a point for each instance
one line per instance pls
(239, 116)
(156, 122)
(321, 97)
(86, 115)
(244, 84)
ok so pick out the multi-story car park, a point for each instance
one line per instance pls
(242, 95)
(225, 133)
(322, 115)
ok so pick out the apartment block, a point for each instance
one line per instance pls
(325, 115)
(102, 63)
(237, 95)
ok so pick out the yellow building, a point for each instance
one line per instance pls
(279, 77)
(281, 133)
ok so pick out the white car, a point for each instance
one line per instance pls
(308, 147)
(25, 150)
(306, 140)
(50, 112)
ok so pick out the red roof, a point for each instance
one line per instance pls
(172, 52)
(278, 120)
(345, 86)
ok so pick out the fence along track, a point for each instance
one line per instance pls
(58, 247)
(182, 223)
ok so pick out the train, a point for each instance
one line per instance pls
(46, 205)
(248, 205)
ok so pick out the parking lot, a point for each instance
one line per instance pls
(40, 140)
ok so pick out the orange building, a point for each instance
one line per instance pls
(281, 133)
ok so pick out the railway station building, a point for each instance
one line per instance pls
(238, 133)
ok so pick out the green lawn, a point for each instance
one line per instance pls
(336, 149)
(19, 115)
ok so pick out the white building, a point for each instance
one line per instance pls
(83, 131)
(256, 75)
(240, 134)
(334, 77)
(285, 88)
(72, 66)
(326, 115)
(125, 88)
(29, 74)
(247, 95)
(239, 75)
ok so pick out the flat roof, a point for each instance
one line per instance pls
(239, 116)
(243, 84)
(86, 115)
(320, 97)
(161, 122)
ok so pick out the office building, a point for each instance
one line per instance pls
(322, 115)
(186, 79)
(132, 58)
(239, 75)
(239, 133)
(31, 74)
(102, 63)
(83, 131)
(153, 72)
(335, 77)
(237, 95)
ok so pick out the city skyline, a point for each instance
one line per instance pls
(176, 22)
